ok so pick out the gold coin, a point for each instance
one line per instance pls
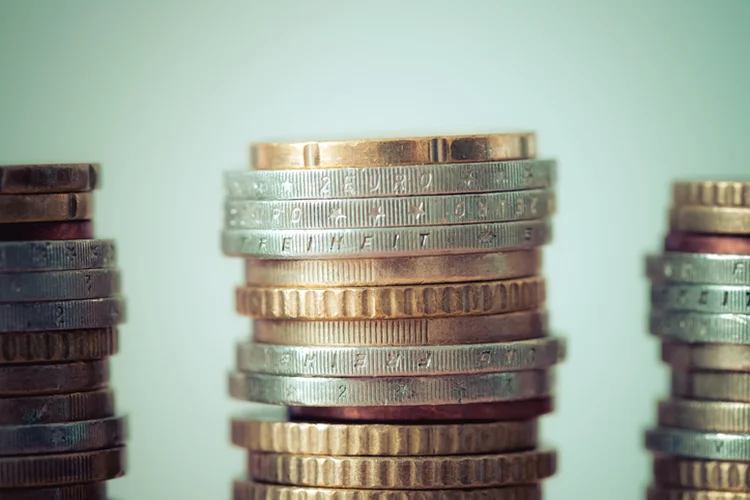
(394, 270)
(390, 152)
(384, 440)
(657, 493)
(686, 473)
(711, 220)
(45, 207)
(408, 473)
(392, 302)
(721, 357)
(248, 490)
(712, 193)
(404, 332)
(712, 386)
(708, 416)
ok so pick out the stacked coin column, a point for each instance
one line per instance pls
(399, 314)
(59, 308)
(701, 312)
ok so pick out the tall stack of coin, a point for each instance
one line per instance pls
(399, 313)
(59, 309)
(701, 312)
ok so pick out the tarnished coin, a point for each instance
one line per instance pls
(713, 386)
(46, 207)
(714, 299)
(55, 408)
(686, 473)
(29, 256)
(687, 268)
(695, 444)
(27, 380)
(68, 437)
(48, 178)
(61, 315)
(721, 357)
(708, 416)
(59, 285)
(657, 493)
(711, 193)
(58, 346)
(696, 327)
(89, 491)
(677, 241)
(61, 469)
(35, 231)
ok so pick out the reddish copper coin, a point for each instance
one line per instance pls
(91, 491)
(34, 231)
(61, 469)
(57, 408)
(707, 243)
(474, 412)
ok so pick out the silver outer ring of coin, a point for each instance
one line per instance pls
(384, 242)
(59, 285)
(705, 416)
(535, 354)
(61, 315)
(55, 255)
(417, 211)
(698, 268)
(390, 391)
(410, 180)
(696, 327)
(713, 299)
(63, 437)
(702, 445)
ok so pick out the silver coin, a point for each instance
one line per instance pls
(695, 268)
(64, 437)
(384, 242)
(715, 299)
(702, 445)
(61, 315)
(696, 327)
(391, 181)
(711, 385)
(62, 255)
(391, 391)
(705, 416)
(399, 361)
(59, 285)
(416, 211)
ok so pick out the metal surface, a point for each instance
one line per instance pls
(29, 380)
(45, 207)
(713, 299)
(68, 437)
(28, 256)
(695, 444)
(696, 327)
(687, 268)
(55, 408)
(49, 178)
(61, 469)
(707, 416)
(61, 315)
(59, 285)
(58, 346)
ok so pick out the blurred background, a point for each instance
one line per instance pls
(166, 95)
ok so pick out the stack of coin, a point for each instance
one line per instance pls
(700, 300)
(59, 309)
(399, 313)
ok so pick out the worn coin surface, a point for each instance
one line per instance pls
(712, 220)
(61, 315)
(695, 444)
(45, 207)
(723, 475)
(721, 357)
(27, 380)
(711, 193)
(90, 491)
(33, 231)
(54, 408)
(687, 268)
(37, 439)
(714, 386)
(28, 256)
(696, 327)
(58, 346)
(657, 493)
(714, 299)
(59, 285)
(49, 178)
(61, 469)
(707, 243)
(708, 416)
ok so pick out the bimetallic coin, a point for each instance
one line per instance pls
(390, 152)
(90, 491)
(27, 380)
(711, 269)
(412, 211)
(61, 469)
(712, 220)
(394, 270)
(58, 346)
(721, 357)
(436, 472)
(712, 386)
(404, 332)
(384, 440)
(711, 193)
(686, 473)
(65, 437)
(28, 256)
(696, 327)
(707, 243)
(707, 416)
(714, 299)
(399, 361)
(396, 391)
(386, 242)
(393, 302)
(55, 408)
(45, 207)
(49, 178)
(61, 315)
(35, 231)
(59, 285)
(703, 445)
(415, 180)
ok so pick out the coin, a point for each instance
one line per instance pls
(45, 207)
(715, 299)
(49, 178)
(712, 193)
(707, 243)
(396, 391)
(61, 315)
(405, 332)
(399, 361)
(458, 471)
(412, 211)
(413, 180)
(61, 469)
(386, 242)
(248, 490)
(394, 270)
(713, 386)
(59, 285)
(55, 408)
(58, 346)
(26, 380)
(712, 269)
(392, 302)
(714, 220)
(90, 491)
(33, 231)
(27, 256)
(722, 357)
(388, 152)
(687, 326)
(709, 416)
(701, 474)
(384, 440)
(65, 437)
(694, 444)
(656, 493)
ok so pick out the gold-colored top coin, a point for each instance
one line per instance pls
(687, 473)
(657, 493)
(436, 472)
(45, 207)
(710, 220)
(712, 193)
(384, 440)
(392, 302)
(49, 178)
(390, 152)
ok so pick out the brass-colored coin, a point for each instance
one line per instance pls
(712, 193)
(413, 301)
(408, 473)
(393, 152)
(720, 357)
(51, 178)
(657, 493)
(711, 386)
(708, 416)
(394, 270)
(58, 346)
(713, 220)
(61, 469)
(46, 207)
(384, 440)
(686, 473)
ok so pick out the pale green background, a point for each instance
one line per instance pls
(626, 95)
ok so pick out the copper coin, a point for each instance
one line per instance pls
(91, 491)
(59, 378)
(706, 243)
(57, 408)
(58, 346)
(49, 178)
(35, 231)
(474, 412)
(61, 469)
(63, 437)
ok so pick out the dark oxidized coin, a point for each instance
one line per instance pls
(49, 178)
(57, 408)
(59, 378)
(62, 469)
(35, 231)
(57, 346)
(67, 437)
(91, 491)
